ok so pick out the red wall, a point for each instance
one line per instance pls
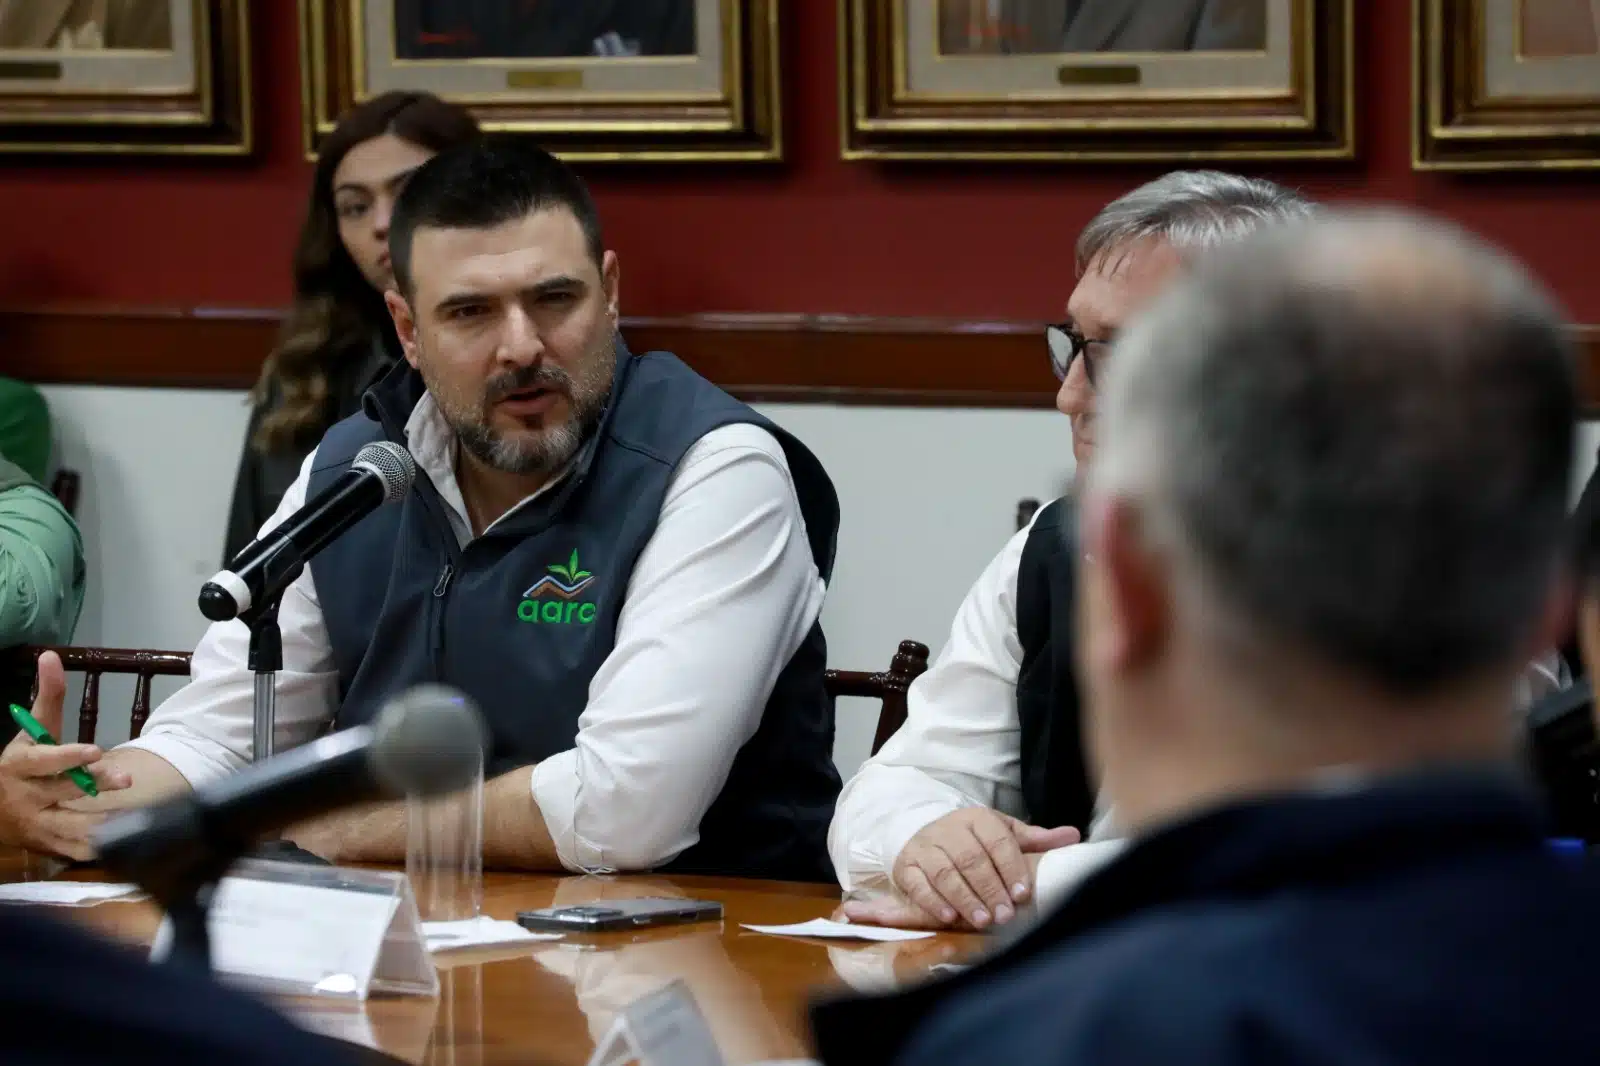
(815, 235)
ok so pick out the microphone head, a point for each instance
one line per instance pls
(428, 741)
(216, 604)
(393, 465)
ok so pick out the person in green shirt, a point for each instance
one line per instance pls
(24, 427)
(41, 550)
(41, 563)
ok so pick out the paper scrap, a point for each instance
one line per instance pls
(824, 927)
(477, 932)
(67, 893)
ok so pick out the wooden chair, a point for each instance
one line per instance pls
(888, 686)
(95, 662)
(65, 487)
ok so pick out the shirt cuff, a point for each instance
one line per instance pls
(555, 792)
(201, 762)
(1064, 869)
(873, 866)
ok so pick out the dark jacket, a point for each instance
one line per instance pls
(262, 479)
(73, 1000)
(523, 616)
(1417, 921)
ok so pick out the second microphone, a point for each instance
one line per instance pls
(381, 473)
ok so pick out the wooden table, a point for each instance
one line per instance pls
(550, 1002)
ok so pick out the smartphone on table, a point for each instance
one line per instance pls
(615, 914)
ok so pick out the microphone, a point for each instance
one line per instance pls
(382, 472)
(429, 741)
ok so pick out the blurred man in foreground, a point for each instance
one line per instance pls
(1322, 536)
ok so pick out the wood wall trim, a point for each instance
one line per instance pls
(928, 362)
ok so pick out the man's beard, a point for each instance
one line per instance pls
(550, 448)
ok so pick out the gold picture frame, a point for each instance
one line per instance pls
(720, 102)
(914, 87)
(159, 77)
(1505, 85)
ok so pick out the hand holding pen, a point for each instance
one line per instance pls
(38, 776)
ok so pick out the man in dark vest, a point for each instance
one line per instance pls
(620, 563)
(1321, 539)
(947, 824)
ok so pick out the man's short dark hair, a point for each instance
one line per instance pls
(497, 178)
(1358, 431)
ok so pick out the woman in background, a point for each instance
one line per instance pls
(337, 338)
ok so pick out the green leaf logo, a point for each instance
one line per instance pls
(571, 573)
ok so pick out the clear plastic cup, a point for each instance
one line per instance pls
(444, 852)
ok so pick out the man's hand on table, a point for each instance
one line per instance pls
(891, 909)
(970, 869)
(34, 794)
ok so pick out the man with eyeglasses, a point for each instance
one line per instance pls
(947, 824)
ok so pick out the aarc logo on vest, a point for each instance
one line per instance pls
(552, 599)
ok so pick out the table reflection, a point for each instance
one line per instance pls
(608, 972)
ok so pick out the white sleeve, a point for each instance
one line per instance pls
(718, 602)
(205, 730)
(1062, 870)
(960, 745)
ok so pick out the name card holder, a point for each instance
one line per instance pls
(294, 929)
(663, 1028)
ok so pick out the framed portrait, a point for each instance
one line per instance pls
(594, 80)
(1506, 84)
(1096, 80)
(125, 76)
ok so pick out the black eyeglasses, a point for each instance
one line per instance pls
(1066, 344)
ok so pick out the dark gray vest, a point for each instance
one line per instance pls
(1056, 783)
(523, 616)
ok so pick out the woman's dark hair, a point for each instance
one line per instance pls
(336, 310)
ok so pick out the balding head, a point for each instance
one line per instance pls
(1324, 525)
(1356, 435)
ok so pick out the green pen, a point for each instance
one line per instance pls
(30, 725)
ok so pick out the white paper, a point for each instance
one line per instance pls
(65, 892)
(477, 932)
(824, 927)
(321, 938)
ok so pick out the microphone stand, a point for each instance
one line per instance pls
(266, 659)
(185, 893)
(186, 897)
(191, 940)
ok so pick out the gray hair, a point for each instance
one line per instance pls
(1190, 210)
(1354, 435)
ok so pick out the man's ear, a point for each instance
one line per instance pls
(611, 283)
(405, 327)
(1131, 583)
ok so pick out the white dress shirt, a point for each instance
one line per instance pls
(719, 600)
(961, 744)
